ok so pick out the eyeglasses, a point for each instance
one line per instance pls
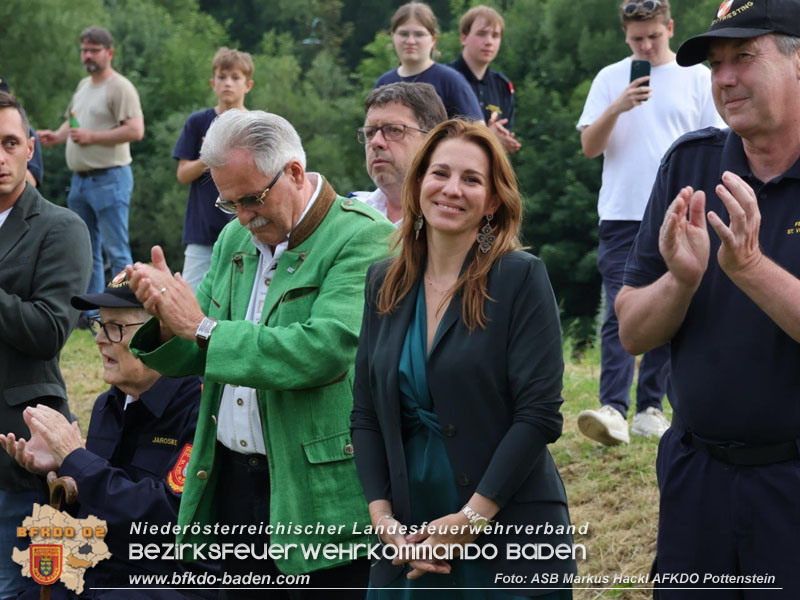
(644, 7)
(391, 132)
(417, 35)
(247, 202)
(113, 331)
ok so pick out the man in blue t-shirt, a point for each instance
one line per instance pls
(232, 79)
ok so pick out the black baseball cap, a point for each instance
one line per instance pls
(742, 19)
(118, 294)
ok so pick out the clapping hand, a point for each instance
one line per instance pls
(166, 296)
(52, 438)
(684, 243)
(740, 249)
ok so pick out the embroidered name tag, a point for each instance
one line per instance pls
(167, 441)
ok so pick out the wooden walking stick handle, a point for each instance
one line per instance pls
(62, 490)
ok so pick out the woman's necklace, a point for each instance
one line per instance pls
(439, 290)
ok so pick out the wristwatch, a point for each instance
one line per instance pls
(204, 330)
(476, 521)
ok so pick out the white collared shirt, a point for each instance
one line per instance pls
(4, 215)
(239, 422)
(376, 200)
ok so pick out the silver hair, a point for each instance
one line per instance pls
(270, 139)
(787, 44)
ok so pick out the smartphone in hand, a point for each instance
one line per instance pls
(640, 68)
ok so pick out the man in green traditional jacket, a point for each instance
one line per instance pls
(273, 331)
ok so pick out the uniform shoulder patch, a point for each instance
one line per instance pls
(353, 204)
(708, 135)
(505, 78)
(176, 477)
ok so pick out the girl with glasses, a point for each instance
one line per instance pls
(415, 31)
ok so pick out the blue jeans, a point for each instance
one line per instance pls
(617, 366)
(103, 202)
(196, 261)
(14, 507)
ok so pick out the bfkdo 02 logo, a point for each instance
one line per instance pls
(46, 562)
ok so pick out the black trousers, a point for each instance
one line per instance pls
(244, 481)
(718, 521)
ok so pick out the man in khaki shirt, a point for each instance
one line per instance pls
(103, 117)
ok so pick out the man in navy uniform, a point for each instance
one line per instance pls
(726, 301)
(131, 466)
(481, 33)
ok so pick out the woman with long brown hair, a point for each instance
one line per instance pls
(458, 380)
(415, 31)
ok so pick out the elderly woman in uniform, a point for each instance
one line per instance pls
(458, 381)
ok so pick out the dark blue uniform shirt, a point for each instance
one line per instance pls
(735, 373)
(458, 99)
(495, 92)
(131, 470)
(203, 220)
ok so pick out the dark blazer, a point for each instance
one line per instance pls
(45, 259)
(497, 393)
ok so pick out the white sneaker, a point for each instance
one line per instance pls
(605, 425)
(650, 423)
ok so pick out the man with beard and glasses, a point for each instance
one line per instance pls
(102, 119)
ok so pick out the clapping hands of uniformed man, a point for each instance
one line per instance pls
(740, 249)
(52, 439)
(165, 296)
(684, 243)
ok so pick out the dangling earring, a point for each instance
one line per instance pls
(418, 223)
(485, 236)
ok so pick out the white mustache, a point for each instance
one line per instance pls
(259, 221)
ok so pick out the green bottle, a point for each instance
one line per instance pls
(73, 121)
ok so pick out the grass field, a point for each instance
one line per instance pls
(612, 489)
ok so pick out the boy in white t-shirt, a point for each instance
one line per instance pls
(632, 124)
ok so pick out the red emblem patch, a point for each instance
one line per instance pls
(46, 562)
(177, 476)
(724, 8)
(510, 86)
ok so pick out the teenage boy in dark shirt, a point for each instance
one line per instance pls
(232, 79)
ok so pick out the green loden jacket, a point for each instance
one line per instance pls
(299, 358)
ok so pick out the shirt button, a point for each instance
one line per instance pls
(214, 419)
(449, 430)
(253, 461)
(348, 202)
(202, 475)
(243, 444)
(348, 449)
(239, 401)
(462, 480)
